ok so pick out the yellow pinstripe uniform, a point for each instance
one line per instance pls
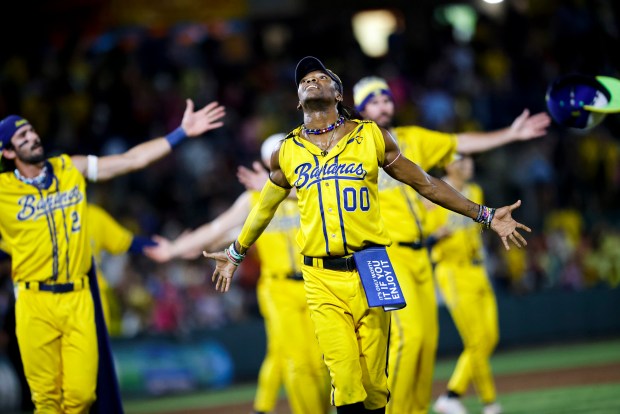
(469, 296)
(293, 355)
(414, 329)
(106, 235)
(339, 207)
(48, 241)
(4, 247)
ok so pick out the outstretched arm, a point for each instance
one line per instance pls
(205, 235)
(439, 192)
(274, 192)
(194, 123)
(524, 127)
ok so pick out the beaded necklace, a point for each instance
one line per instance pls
(319, 131)
(36, 181)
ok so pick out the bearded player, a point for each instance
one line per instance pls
(42, 221)
(414, 330)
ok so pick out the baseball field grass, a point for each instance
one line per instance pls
(576, 378)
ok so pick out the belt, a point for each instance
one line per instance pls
(331, 263)
(416, 245)
(295, 276)
(55, 287)
(280, 276)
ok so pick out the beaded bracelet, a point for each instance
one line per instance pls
(485, 216)
(176, 136)
(233, 255)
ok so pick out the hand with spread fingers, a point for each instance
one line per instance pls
(198, 122)
(224, 270)
(526, 126)
(255, 178)
(506, 227)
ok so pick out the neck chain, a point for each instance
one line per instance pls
(329, 143)
(319, 131)
(36, 181)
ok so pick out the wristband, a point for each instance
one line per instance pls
(92, 169)
(176, 137)
(485, 216)
(233, 255)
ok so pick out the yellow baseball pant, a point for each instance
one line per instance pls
(295, 346)
(414, 333)
(352, 336)
(471, 302)
(270, 373)
(58, 343)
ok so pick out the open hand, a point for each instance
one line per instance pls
(506, 227)
(255, 178)
(161, 252)
(224, 270)
(203, 120)
(526, 127)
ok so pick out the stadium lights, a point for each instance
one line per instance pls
(372, 29)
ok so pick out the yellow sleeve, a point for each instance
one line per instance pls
(426, 148)
(270, 198)
(105, 233)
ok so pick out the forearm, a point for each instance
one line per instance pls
(134, 159)
(474, 142)
(216, 233)
(431, 188)
(270, 198)
(443, 194)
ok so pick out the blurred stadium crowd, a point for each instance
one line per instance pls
(93, 89)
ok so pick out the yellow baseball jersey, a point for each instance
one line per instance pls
(465, 242)
(44, 228)
(106, 234)
(4, 247)
(337, 193)
(277, 251)
(401, 206)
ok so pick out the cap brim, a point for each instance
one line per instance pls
(307, 65)
(613, 87)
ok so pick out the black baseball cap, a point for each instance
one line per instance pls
(310, 64)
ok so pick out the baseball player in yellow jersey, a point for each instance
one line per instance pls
(293, 356)
(468, 294)
(333, 162)
(108, 235)
(42, 210)
(414, 329)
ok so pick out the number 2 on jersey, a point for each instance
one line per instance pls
(75, 222)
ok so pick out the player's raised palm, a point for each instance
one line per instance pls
(527, 126)
(224, 270)
(203, 120)
(506, 227)
(253, 179)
